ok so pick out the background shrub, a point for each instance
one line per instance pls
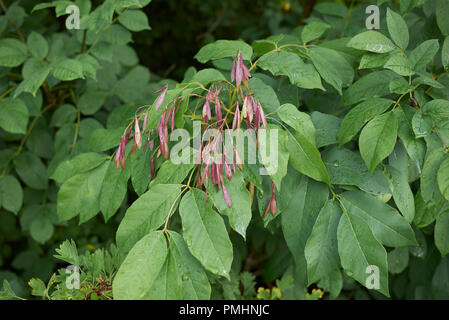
(363, 117)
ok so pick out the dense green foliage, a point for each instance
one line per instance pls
(361, 124)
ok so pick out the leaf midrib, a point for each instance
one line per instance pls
(207, 233)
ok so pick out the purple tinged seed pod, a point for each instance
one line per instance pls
(236, 120)
(172, 119)
(218, 108)
(233, 70)
(218, 91)
(245, 71)
(133, 148)
(233, 162)
(238, 160)
(205, 173)
(257, 118)
(126, 138)
(238, 69)
(145, 122)
(165, 151)
(220, 169)
(213, 175)
(248, 123)
(161, 97)
(206, 110)
(117, 155)
(273, 200)
(166, 115)
(228, 171)
(137, 134)
(199, 155)
(162, 130)
(226, 194)
(273, 206)
(161, 123)
(123, 162)
(218, 175)
(179, 105)
(173, 116)
(262, 115)
(225, 161)
(245, 107)
(120, 155)
(267, 209)
(250, 108)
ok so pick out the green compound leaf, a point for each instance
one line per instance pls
(13, 115)
(80, 194)
(397, 28)
(443, 178)
(134, 20)
(387, 225)
(139, 271)
(321, 249)
(195, 284)
(224, 49)
(356, 118)
(377, 139)
(13, 52)
(205, 233)
(37, 45)
(289, 64)
(113, 189)
(359, 249)
(146, 214)
(332, 66)
(67, 69)
(240, 213)
(372, 41)
(306, 158)
(11, 194)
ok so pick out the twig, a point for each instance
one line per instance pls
(83, 44)
(169, 70)
(307, 11)
(5, 9)
(8, 91)
(78, 120)
(214, 25)
(104, 29)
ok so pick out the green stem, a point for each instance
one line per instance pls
(78, 120)
(104, 29)
(8, 91)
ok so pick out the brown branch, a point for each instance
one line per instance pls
(2, 4)
(308, 8)
(168, 71)
(83, 44)
(215, 25)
